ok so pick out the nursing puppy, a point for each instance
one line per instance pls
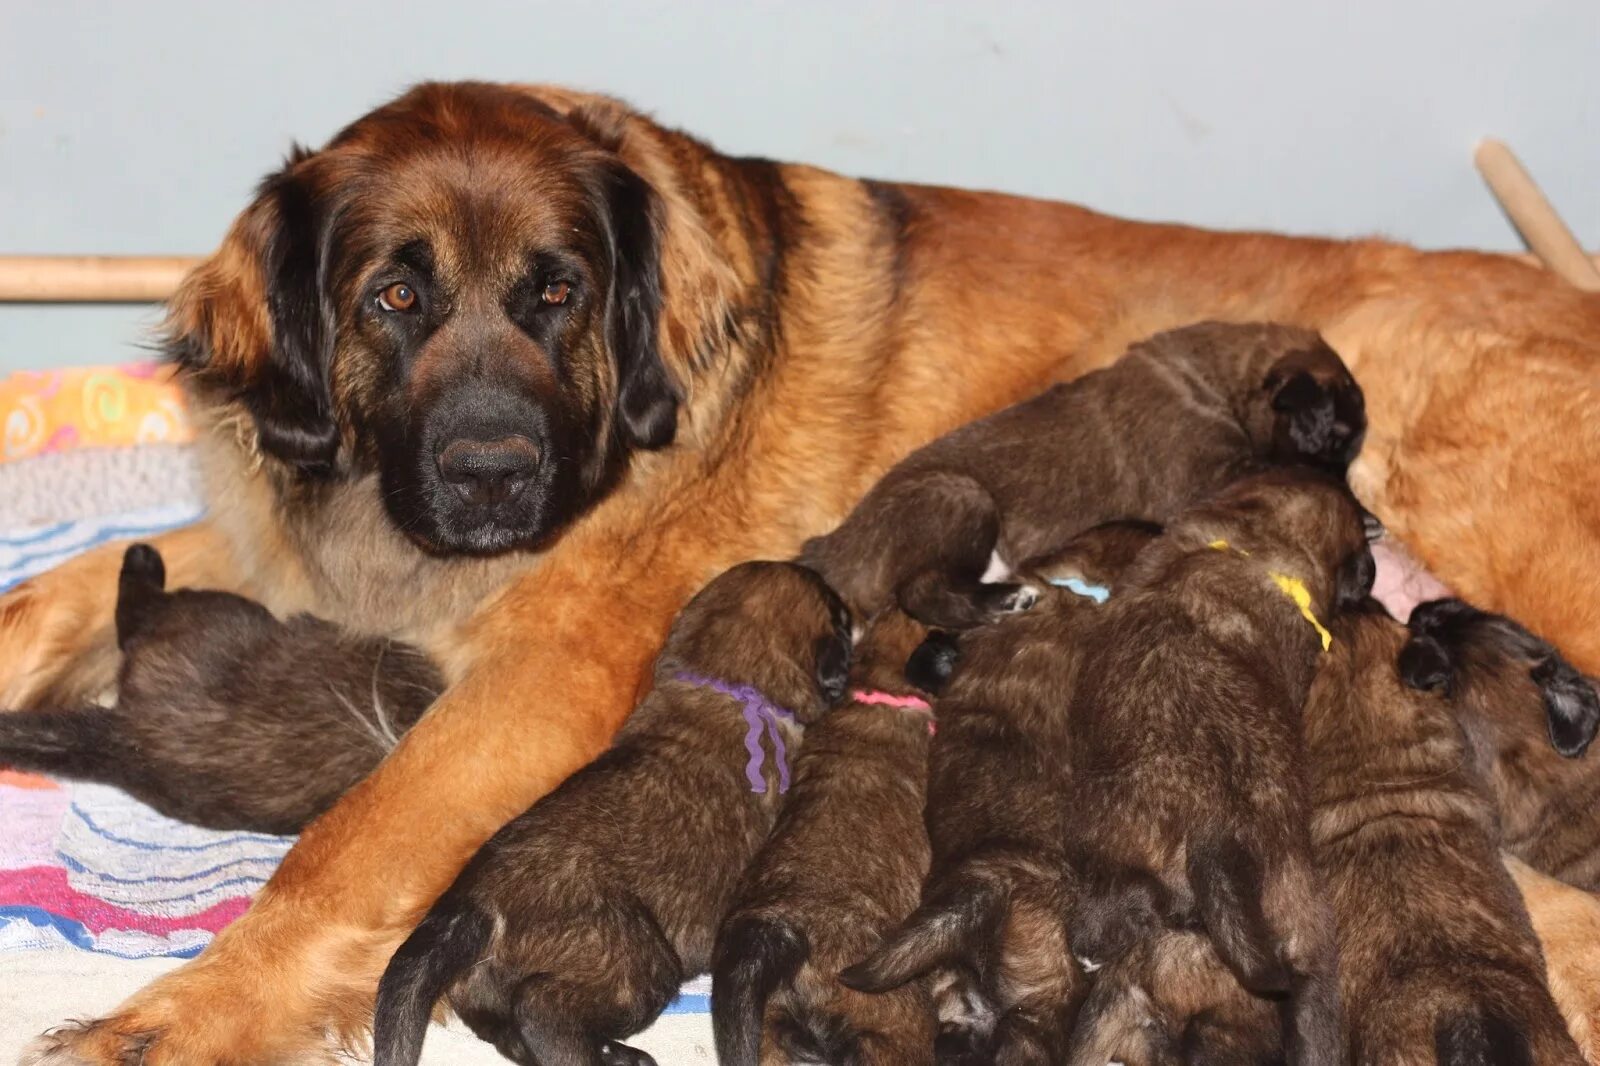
(1529, 717)
(575, 924)
(225, 716)
(1437, 959)
(1176, 418)
(993, 911)
(844, 865)
(1186, 780)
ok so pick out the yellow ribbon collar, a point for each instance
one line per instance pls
(1292, 587)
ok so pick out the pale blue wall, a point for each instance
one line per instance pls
(141, 126)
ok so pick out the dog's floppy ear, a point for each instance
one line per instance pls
(1572, 708)
(254, 318)
(647, 400)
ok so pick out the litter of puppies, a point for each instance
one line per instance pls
(1080, 740)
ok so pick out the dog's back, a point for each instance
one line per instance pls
(1437, 957)
(238, 720)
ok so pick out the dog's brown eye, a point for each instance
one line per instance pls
(556, 293)
(398, 297)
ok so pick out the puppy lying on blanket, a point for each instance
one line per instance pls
(225, 716)
(1437, 959)
(1529, 717)
(844, 865)
(994, 907)
(1185, 797)
(575, 924)
(1176, 418)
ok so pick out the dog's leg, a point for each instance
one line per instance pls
(557, 661)
(58, 642)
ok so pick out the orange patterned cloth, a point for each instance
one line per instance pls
(90, 407)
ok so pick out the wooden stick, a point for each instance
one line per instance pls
(90, 278)
(1534, 217)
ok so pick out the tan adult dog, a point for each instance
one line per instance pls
(601, 286)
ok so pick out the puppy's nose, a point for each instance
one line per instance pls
(489, 471)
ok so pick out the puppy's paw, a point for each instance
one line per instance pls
(613, 1053)
(1010, 599)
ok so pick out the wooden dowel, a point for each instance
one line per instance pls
(91, 278)
(1531, 212)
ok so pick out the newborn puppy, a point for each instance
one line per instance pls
(225, 716)
(1186, 786)
(843, 866)
(1169, 1001)
(575, 924)
(1437, 959)
(993, 910)
(1176, 418)
(1529, 717)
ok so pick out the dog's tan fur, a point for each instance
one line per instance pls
(1567, 921)
(819, 328)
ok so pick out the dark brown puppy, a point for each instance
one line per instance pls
(225, 716)
(1176, 418)
(1186, 785)
(994, 907)
(1529, 716)
(1437, 959)
(574, 925)
(1170, 1001)
(844, 865)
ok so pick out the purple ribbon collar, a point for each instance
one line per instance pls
(761, 715)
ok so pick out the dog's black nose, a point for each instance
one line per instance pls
(489, 471)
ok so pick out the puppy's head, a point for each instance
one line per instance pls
(459, 294)
(1090, 565)
(776, 626)
(1297, 521)
(1310, 409)
(900, 655)
(1500, 672)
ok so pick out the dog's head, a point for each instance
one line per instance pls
(1318, 414)
(460, 295)
(1298, 521)
(1501, 673)
(776, 626)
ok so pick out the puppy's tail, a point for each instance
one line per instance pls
(78, 744)
(755, 956)
(442, 947)
(1480, 1038)
(1227, 883)
(140, 587)
(950, 927)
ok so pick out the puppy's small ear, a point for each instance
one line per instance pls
(934, 660)
(647, 400)
(254, 319)
(833, 668)
(1355, 578)
(1572, 708)
(1425, 665)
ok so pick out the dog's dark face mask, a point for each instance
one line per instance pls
(1320, 411)
(461, 295)
(1450, 639)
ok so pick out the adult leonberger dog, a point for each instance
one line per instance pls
(511, 371)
